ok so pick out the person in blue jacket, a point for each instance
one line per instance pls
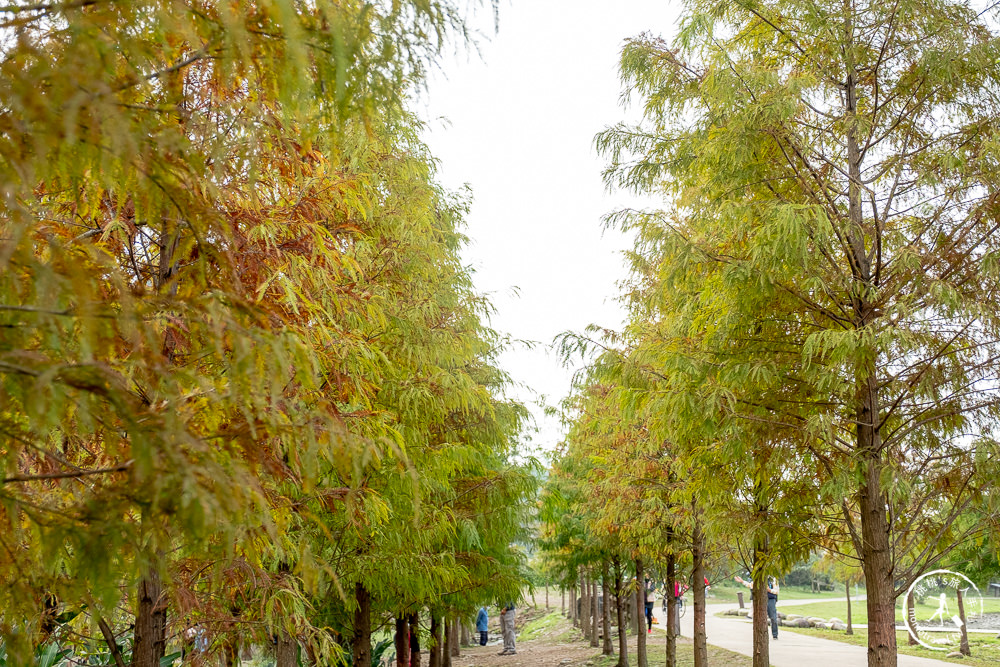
(482, 621)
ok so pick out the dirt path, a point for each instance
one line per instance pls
(554, 643)
(558, 645)
(537, 653)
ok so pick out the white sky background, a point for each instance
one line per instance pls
(516, 123)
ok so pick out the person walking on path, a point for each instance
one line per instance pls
(507, 629)
(482, 623)
(648, 599)
(772, 601)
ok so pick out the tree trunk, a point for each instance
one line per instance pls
(546, 596)
(640, 606)
(608, 647)
(465, 641)
(672, 629)
(698, 586)
(456, 650)
(563, 602)
(414, 622)
(584, 605)
(449, 646)
(286, 652)
(150, 635)
(402, 642)
(595, 625)
(435, 641)
(761, 632)
(572, 604)
(878, 568)
(361, 640)
(622, 635)
(850, 621)
(636, 599)
(876, 557)
(964, 644)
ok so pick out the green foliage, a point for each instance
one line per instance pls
(240, 348)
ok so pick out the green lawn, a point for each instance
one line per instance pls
(727, 593)
(985, 649)
(859, 609)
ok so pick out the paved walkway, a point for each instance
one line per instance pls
(793, 649)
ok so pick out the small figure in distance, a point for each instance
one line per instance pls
(648, 599)
(482, 625)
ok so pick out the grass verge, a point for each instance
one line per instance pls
(656, 653)
(985, 649)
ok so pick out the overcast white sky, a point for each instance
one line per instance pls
(516, 123)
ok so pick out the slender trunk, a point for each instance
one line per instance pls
(149, 639)
(435, 641)
(964, 644)
(466, 639)
(563, 602)
(608, 647)
(850, 621)
(878, 567)
(109, 639)
(622, 635)
(876, 557)
(698, 585)
(761, 631)
(448, 648)
(150, 636)
(595, 625)
(402, 642)
(584, 605)
(636, 597)
(672, 629)
(414, 622)
(286, 652)
(572, 604)
(361, 640)
(456, 649)
(640, 606)
(546, 596)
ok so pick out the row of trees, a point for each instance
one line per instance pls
(812, 353)
(248, 392)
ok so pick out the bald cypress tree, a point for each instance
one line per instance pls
(831, 235)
